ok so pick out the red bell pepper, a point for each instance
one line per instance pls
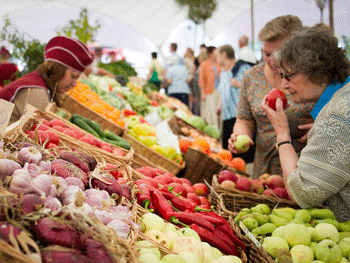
(182, 204)
(129, 112)
(161, 205)
(212, 239)
(191, 218)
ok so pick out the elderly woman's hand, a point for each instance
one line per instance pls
(277, 118)
(231, 145)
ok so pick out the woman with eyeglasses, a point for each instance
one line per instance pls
(258, 82)
(320, 69)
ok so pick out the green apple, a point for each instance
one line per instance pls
(326, 231)
(317, 261)
(313, 246)
(272, 244)
(148, 258)
(190, 257)
(344, 260)
(242, 143)
(216, 253)
(189, 244)
(328, 251)
(228, 259)
(151, 221)
(304, 215)
(297, 234)
(171, 237)
(208, 252)
(250, 223)
(147, 247)
(279, 232)
(344, 246)
(156, 236)
(188, 232)
(170, 227)
(172, 258)
(302, 253)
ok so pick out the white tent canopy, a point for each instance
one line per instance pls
(144, 26)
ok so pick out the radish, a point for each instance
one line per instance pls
(66, 169)
(52, 232)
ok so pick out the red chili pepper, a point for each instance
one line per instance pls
(181, 204)
(129, 112)
(155, 104)
(224, 238)
(192, 218)
(211, 219)
(144, 196)
(142, 120)
(161, 205)
(212, 239)
(226, 228)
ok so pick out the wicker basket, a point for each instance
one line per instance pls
(154, 157)
(177, 123)
(73, 106)
(254, 253)
(232, 201)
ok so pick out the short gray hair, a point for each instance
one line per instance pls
(315, 53)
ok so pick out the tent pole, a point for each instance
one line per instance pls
(252, 21)
(331, 18)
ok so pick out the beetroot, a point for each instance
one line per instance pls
(91, 161)
(72, 256)
(72, 158)
(30, 203)
(52, 232)
(66, 169)
(96, 251)
(5, 230)
(109, 185)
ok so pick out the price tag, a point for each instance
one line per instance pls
(249, 234)
(6, 109)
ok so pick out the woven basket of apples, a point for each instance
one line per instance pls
(232, 192)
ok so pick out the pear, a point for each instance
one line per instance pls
(321, 213)
(240, 215)
(250, 223)
(296, 234)
(296, 221)
(302, 253)
(326, 231)
(328, 221)
(344, 246)
(344, 227)
(280, 231)
(261, 218)
(261, 208)
(278, 221)
(286, 215)
(344, 260)
(313, 246)
(303, 215)
(273, 244)
(328, 251)
(264, 229)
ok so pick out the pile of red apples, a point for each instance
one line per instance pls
(270, 185)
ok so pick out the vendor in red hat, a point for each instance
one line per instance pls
(65, 59)
(7, 70)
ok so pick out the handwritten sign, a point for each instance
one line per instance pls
(249, 234)
(6, 109)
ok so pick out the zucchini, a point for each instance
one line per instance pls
(122, 144)
(73, 117)
(95, 126)
(82, 124)
(112, 136)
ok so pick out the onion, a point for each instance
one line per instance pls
(21, 183)
(103, 216)
(30, 155)
(6, 229)
(52, 203)
(122, 228)
(31, 203)
(75, 181)
(69, 256)
(7, 167)
(96, 252)
(72, 194)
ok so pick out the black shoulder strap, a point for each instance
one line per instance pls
(238, 64)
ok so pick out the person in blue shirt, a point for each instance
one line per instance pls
(315, 69)
(178, 79)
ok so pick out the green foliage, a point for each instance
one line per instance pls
(25, 48)
(198, 10)
(81, 28)
(346, 40)
(119, 68)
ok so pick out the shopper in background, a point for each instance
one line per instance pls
(245, 53)
(113, 56)
(173, 55)
(189, 64)
(229, 95)
(209, 82)
(94, 68)
(8, 70)
(259, 81)
(155, 73)
(203, 48)
(178, 78)
(315, 69)
(65, 60)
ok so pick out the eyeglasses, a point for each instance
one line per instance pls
(288, 77)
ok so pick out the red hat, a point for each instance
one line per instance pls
(69, 52)
(4, 51)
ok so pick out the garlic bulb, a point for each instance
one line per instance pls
(30, 155)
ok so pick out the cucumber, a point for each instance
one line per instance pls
(122, 144)
(73, 117)
(95, 126)
(112, 136)
(82, 124)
